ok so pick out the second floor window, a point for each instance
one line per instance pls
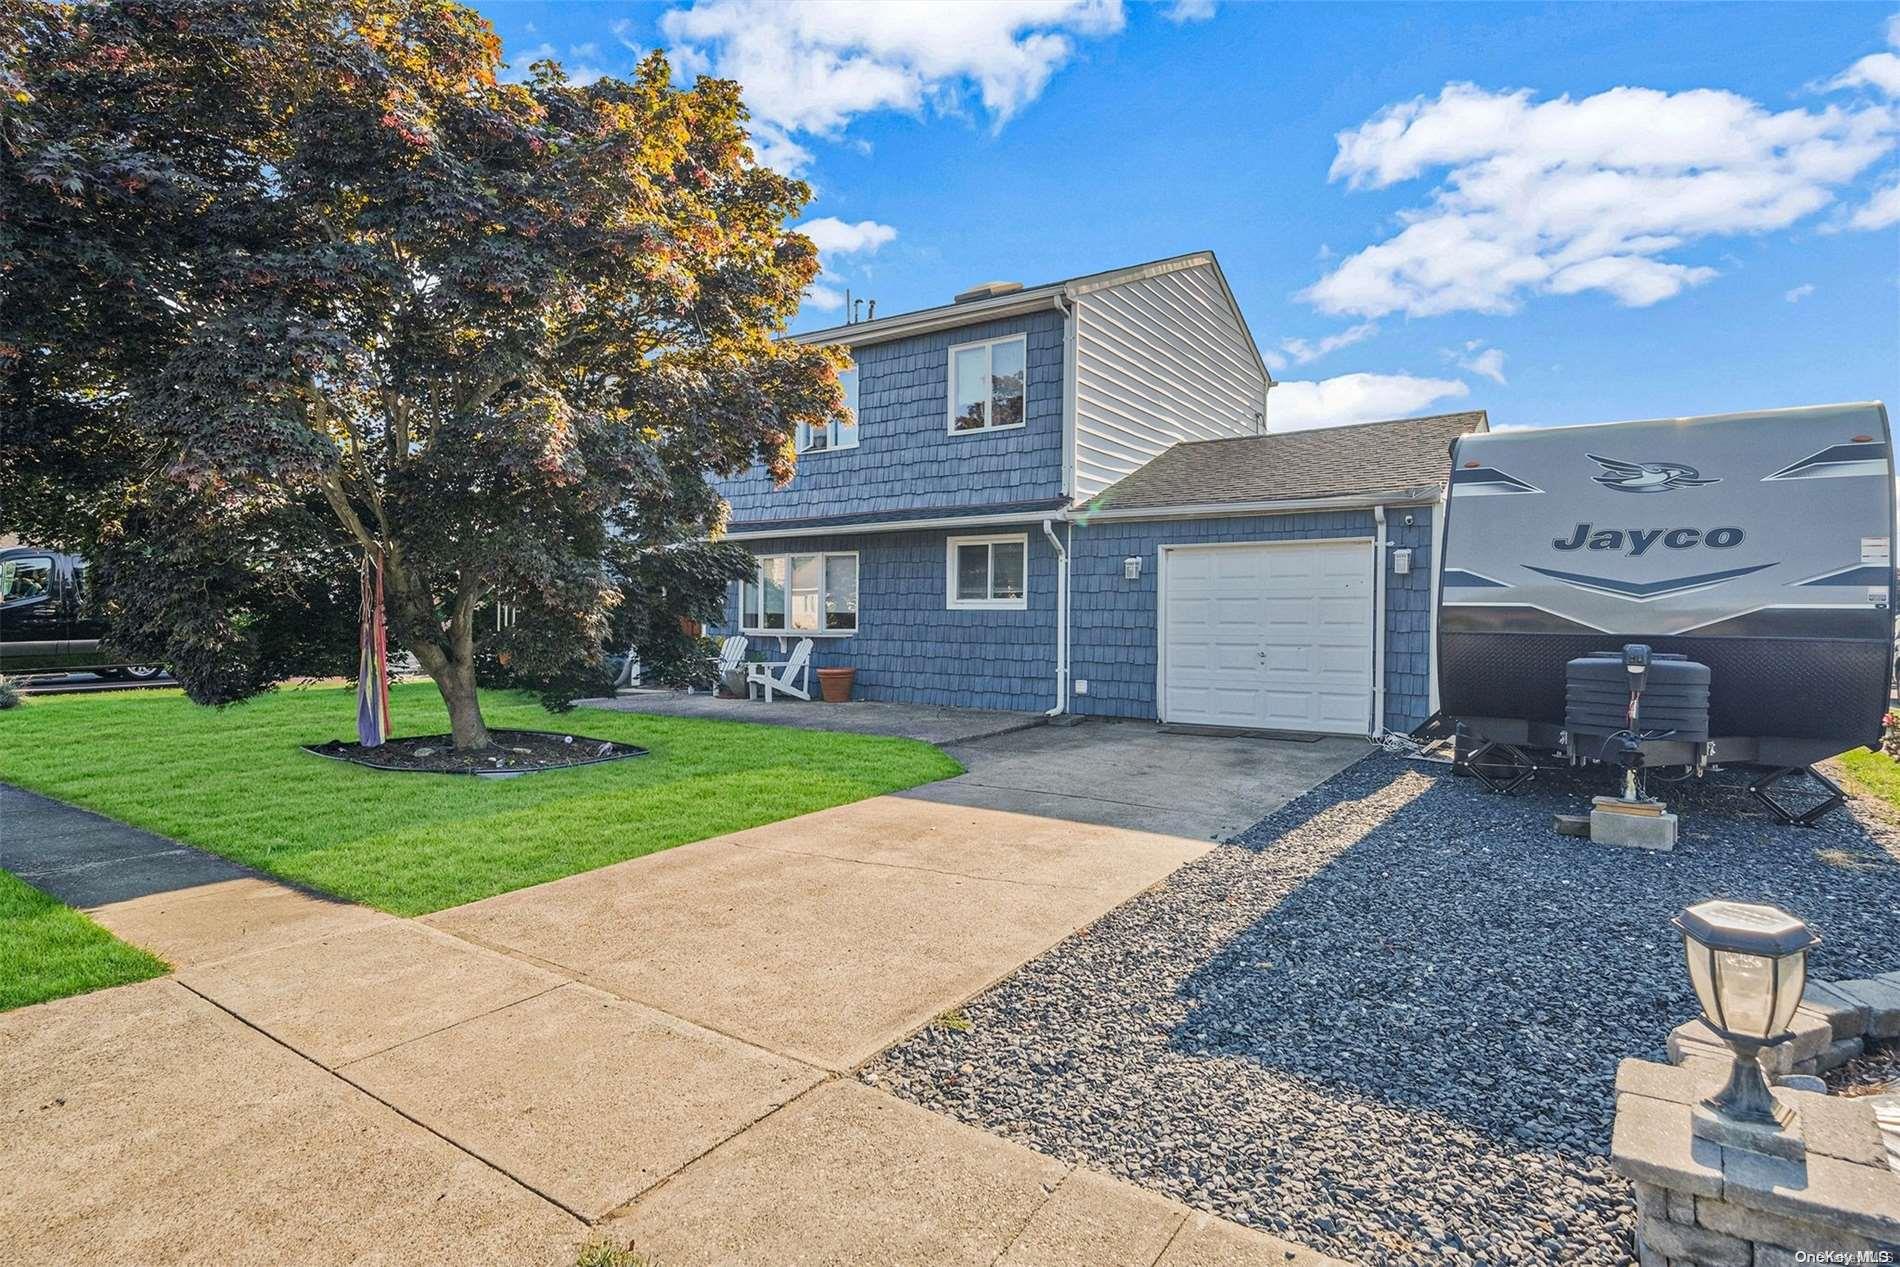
(841, 432)
(987, 384)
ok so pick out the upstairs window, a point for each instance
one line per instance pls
(987, 384)
(841, 432)
(801, 593)
(989, 572)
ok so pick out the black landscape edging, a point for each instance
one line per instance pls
(626, 752)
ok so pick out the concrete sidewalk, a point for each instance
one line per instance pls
(658, 1050)
(183, 904)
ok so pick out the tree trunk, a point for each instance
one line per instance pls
(456, 681)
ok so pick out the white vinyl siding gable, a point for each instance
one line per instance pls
(1159, 359)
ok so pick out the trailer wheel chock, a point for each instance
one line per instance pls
(1759, 789)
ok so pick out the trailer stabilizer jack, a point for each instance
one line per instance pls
(1760, 790)
(1501, 767)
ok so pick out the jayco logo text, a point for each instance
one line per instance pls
(1636, 541)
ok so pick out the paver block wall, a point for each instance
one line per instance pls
(1112, 643)
(906, 458)
(910, 648)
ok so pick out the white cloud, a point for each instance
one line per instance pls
(1880, 211)
(1300, 351)
(1184, 11)
(1798, 293)
(833, 236)
(824, 298)
(1353, 398)
(1879, 71)
(1563, 196)
(580, 73)
(1479, 359)
(808, 69)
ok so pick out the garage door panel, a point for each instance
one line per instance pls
(1341, 610)
(1341, 712)
(1289, 659)
(1276, 636)
(1190, 613)
(1333, 659)
(1236, 656)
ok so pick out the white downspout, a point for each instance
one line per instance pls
(1064, 304)
(1378, 624)
(1062, 619)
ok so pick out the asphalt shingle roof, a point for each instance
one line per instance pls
(1372, 457)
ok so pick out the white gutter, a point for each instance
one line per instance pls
(1421, 496)
(890, 525)
(1062, 620)
(1378, 624)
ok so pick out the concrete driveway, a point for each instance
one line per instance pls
(658, 1050)
(1111, 773)
(1140, 776)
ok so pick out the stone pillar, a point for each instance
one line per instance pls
(1704, 1205)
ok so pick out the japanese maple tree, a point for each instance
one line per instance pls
(286, 282)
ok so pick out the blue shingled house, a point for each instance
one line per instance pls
(1068, 498)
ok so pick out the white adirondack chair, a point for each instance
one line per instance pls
(731, 653)
(792, 676)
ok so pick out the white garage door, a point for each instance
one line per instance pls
(1275, 637)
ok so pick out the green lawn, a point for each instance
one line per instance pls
(1874, 773)
(236, 782)
(48, 950)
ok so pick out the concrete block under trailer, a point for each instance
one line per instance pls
(1758, 544)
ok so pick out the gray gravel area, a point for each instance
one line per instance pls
(1385, 1022)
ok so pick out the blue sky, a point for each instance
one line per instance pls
(1561, 214)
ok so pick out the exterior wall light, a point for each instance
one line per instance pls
(1749, 966)
(1131, 567)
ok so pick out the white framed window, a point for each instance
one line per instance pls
(841, 432)
(988, 384)
(987, 572)
(814, 593)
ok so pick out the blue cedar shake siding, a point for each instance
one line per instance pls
(1112, 630)
(906, 458)
(909, 646)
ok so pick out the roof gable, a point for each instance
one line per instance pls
(1029, 298)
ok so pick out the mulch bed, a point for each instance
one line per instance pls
(515, 752)
(1875, 1071)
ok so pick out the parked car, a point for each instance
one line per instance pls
(48, 623)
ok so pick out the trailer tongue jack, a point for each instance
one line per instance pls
(1633, 819)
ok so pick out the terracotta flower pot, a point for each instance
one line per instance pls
(835, 684)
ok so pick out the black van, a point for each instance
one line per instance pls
(48, 623)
